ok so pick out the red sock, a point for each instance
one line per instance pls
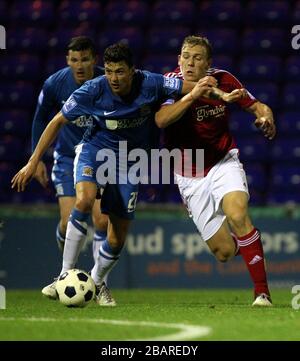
(252, 252)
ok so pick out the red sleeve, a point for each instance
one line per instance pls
(228, 83)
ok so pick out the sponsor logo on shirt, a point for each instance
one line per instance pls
(113, 124)
(207, 111)
(171, 83)
(69, 104)
(83, 121)
(108, 113)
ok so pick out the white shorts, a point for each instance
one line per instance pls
(203, 196)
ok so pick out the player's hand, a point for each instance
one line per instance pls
(267, 125)
(234, 96)
(24, 176)
(41, 174)
(203, 86)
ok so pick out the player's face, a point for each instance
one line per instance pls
(119, 76)
(193, 62)
(82, 64)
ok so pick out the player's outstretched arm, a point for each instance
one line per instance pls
(231, 97)
(170, 113)
(264, 118)
(21, 179)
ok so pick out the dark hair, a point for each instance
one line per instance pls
(118, 52)
(194, 40)
(82, 43)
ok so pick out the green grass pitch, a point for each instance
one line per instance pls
(179, 315)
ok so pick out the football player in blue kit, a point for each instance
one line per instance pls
(81, 60)
(122, 104)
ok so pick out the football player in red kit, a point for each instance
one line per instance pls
(217, 199)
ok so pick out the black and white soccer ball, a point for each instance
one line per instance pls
(75, 288)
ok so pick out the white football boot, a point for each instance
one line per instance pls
(262, 300)
(50, 290)
(103, 296)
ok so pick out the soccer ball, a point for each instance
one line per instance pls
(75, 288)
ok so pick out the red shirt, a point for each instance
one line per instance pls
(205, 123)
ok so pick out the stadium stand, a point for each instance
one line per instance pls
(249, 39)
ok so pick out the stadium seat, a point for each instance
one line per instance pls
(33, 13)
(265, 92)
(283, 198)
(166, 40)
(296, 13)
(292, 68)
(285, 150)
(253, 149)
(59, 39)
(17, 95)
(15, 122)
(291, 96)
(285, 178)
(271, 41)
(242, 123)
(215, 12)
(260, 68)
(181, 13)
(223, 62)
(267, 12)
(20, 67)
(72, 12)
(28, 39)
(7, 171)
(160, 63)
(129, 35)
(256, 199)
(256, 176)
(289, 123)
(3, 8)
(224, 41)
(11, 149)
(53, 64)
(126, 13)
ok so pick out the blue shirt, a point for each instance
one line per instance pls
(55, 92)
(121, 118)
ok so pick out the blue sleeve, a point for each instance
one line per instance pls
(44, 109)
(79, 103)
(168, 87)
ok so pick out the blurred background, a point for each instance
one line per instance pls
(252, 39)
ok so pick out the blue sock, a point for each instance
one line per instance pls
(107, 259)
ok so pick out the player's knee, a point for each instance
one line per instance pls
(237, 219)
(84, 204)
(225, 253)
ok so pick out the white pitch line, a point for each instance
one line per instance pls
(186, 332)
